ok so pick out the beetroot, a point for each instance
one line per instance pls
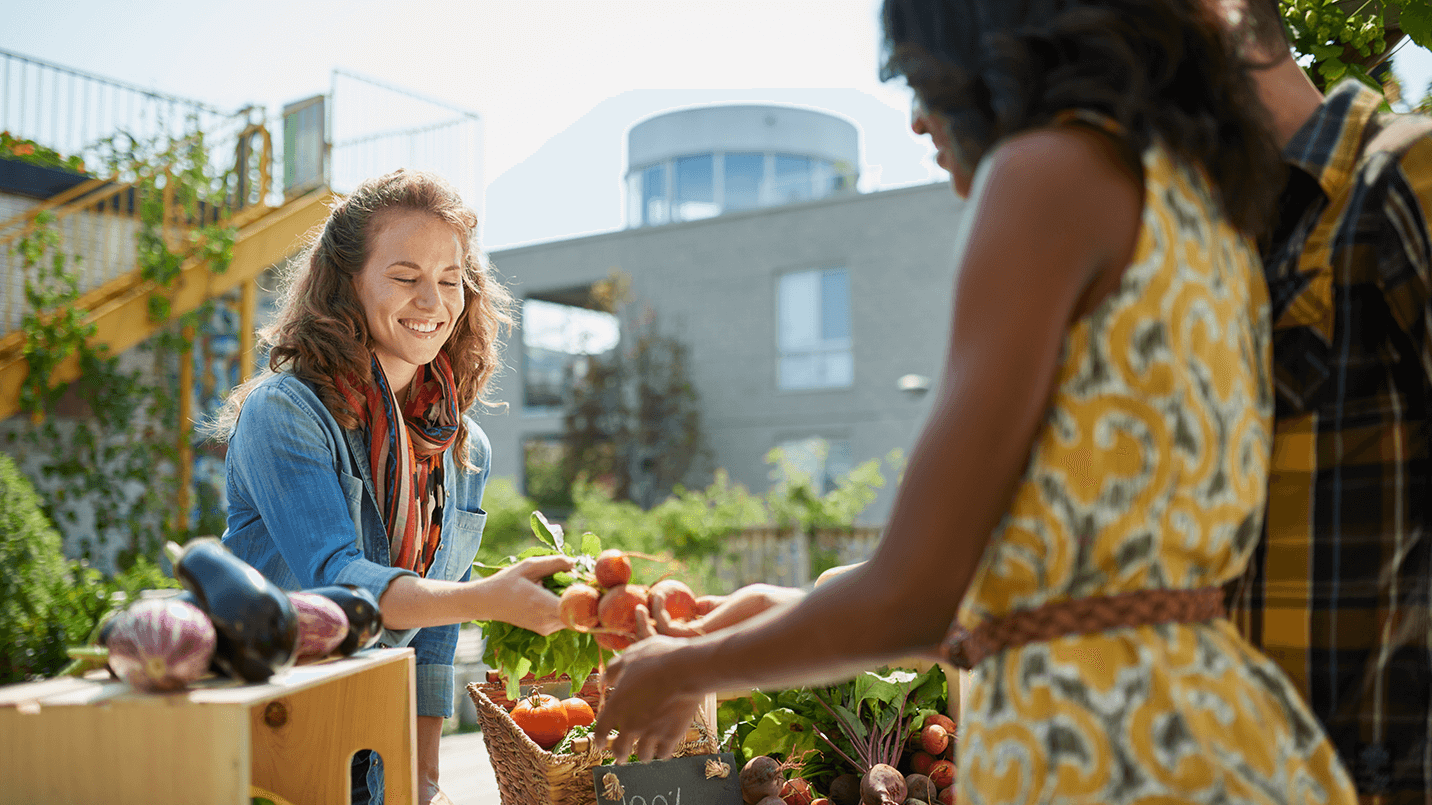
(796, 791)
(617, 608)
(611, 568)
(613, 642)
(578, 607)
(322, 625)
(761, 779)
(882, 785)
(921, 762)
(161, 644)
(845, 790)
(934, 739)
(942, 774)
(920, 787)
(943, 720)
(675, 598)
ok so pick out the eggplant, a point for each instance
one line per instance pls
(321, 625)
(365, 622)
(161, 644)
(256, 625)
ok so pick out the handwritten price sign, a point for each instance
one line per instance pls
(693, 780)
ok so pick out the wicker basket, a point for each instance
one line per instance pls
(527, 774)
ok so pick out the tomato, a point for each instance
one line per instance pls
(579, 713)
(542, 718)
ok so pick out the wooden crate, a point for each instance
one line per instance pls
(97, 740)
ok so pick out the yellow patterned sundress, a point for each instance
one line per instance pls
(1148, 472)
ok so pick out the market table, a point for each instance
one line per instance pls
(96, 740)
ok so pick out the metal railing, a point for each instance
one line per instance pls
(431, 135)
(76, 113)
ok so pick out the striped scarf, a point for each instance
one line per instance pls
(407, 461)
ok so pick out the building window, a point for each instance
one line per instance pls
(557, 343)
(793, 179)
(653, 196)
(823, 461)
(813, 331)
(742, 185)
(695, 189)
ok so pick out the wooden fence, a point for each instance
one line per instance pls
(792, 558)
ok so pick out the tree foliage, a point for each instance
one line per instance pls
(1335, 39)
(633, 423)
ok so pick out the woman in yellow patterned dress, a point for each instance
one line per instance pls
(1095, 466)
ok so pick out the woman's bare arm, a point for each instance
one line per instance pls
(1052, 211)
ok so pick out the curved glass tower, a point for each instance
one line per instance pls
(696, 163)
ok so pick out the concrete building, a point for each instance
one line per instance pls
(820, 321)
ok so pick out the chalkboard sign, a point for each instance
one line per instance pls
(693, 780)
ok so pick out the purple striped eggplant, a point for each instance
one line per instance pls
(365, 622)
(161, 644)
(321, 625)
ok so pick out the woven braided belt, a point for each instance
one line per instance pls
(964, 648)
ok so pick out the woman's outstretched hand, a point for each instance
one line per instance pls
(647, 706)
(717, 612)
(519, 597)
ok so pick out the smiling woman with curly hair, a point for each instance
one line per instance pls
(352, 459)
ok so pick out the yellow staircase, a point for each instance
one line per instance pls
(117, 300)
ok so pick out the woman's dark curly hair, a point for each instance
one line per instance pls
(1160, 68)
(320, 332)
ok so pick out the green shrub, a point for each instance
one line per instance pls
(48, 604)
(34, 588)
(507, 532)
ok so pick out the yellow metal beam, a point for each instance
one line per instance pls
(120, 309)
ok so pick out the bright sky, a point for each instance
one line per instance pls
(530, 68)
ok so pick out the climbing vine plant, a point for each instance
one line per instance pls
(117, 463)
(1337, 39)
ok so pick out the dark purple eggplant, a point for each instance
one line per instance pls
(256, 623)
(365, 622)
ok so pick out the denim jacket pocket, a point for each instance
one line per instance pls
(353, 495)
(462, 535)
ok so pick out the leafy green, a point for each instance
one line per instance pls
(838, 727)
(515, 652)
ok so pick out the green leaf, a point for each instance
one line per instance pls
(514, 679)
(536, 550)
(774, 734)
(762, 700)
(484, 570)
(1416, 22)
(591, 544)
(850, 724)
(547, 532)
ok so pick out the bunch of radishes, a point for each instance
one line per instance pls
(932, 757)
(928, 777)
(605, 603)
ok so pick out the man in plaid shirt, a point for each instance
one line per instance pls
(1340, 589)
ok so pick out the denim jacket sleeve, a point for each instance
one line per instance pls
(290, 493)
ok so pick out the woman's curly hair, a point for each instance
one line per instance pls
(1162, 69)
(320, 332)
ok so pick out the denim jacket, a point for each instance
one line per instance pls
(302, 510)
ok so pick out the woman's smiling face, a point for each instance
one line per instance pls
(411, 290)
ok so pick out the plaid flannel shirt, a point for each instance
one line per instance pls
(1339, 589)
